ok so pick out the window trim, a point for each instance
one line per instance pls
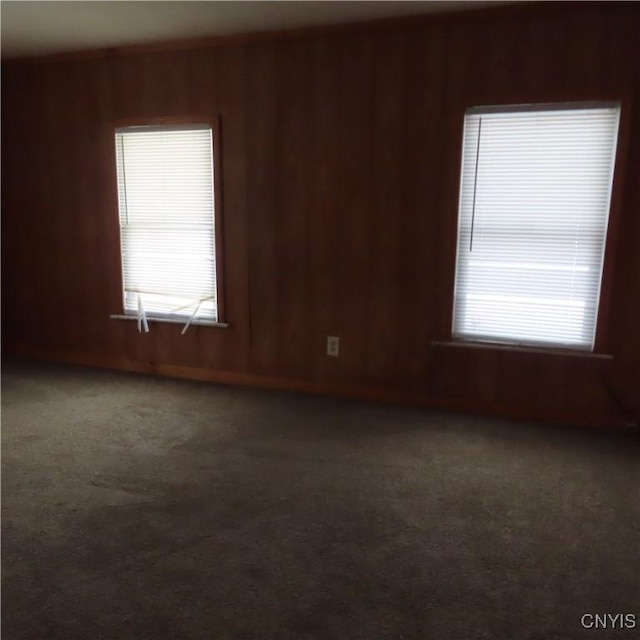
(216, 141)
(454, 138)
(500, 114)
(170, 319)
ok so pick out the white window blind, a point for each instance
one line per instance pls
(166, 204)
(534, 206)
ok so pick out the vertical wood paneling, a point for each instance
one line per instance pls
(625, 298)
(503, 64)
(55, 215)
(295, 189)
(387, 214)
(91, 311)
(202, 88)
(353, 187)
(261, 207)
(14, 243)
(420, 233)
(340, 171)
(325, 224)
(230, 351)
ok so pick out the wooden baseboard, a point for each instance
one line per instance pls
(375, 394)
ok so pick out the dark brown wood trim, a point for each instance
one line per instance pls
(604, 339)
(116, 303)
(450, 236)
(537, 96)
(167, 120)
(218, 205)
(486, 408)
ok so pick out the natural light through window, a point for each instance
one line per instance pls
(533, 214)
(166, 205)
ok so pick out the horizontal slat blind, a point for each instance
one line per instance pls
(534, 206)
(166, 203)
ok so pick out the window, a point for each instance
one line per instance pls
(532, 223)
(167, 222)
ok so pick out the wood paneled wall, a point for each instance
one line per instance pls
(340, 163)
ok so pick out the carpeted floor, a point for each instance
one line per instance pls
(142, 508)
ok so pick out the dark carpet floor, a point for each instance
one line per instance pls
(142, 508)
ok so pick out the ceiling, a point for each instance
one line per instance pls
(37, 28)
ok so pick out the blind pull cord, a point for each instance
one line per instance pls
(193, 315)
(142, 317)
(475, 186)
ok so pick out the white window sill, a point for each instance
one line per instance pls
(173, 320)
(504, 346)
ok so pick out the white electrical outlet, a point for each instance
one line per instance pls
(333, 346)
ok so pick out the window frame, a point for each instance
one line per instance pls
(216, 143)
(454, 137)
